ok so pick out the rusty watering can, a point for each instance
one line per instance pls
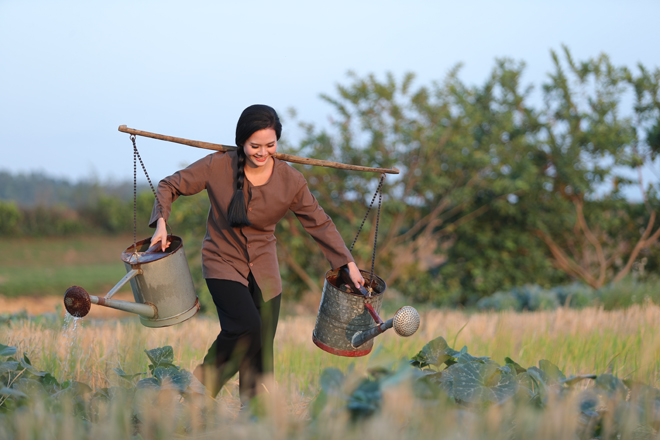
(344, 323)
(161, 283)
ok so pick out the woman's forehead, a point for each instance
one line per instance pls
(265, 136)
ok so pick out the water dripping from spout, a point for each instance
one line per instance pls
(70, 341)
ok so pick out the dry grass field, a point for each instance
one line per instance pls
(35, 273)
(624, 342)
(579, 341)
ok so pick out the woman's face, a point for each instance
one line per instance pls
(259, 147)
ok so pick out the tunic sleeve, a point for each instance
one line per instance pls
(186, 182)
(320, 226)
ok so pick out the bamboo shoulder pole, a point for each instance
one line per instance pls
(280, 156)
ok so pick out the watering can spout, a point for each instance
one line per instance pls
(78, 302)
(162, 286)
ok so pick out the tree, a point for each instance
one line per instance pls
(586, 140)
(494, 192)
(460, 149)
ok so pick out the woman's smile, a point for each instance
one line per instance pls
(260, 147)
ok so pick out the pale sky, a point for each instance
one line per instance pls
(71, 72)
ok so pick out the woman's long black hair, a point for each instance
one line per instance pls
(254, 118)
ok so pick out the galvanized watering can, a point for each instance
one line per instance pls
(345, 320)
(161, 283)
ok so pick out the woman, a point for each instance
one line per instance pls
(250, 191)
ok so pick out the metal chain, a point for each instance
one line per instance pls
(379, 193)
(136, 155)
(380, 202)
(134, 196)
(373, 199)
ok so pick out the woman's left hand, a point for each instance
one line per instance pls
(356, 276)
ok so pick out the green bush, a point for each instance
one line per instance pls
(628, 292)
(51, 221)
(500, 301)
(624, 294)
(114, 215)
(534, 297)
(10, 218)
(575, 295)
(108, 214)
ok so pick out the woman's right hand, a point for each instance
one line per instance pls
(160, 236)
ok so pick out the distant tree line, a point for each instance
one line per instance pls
(495, 191)
(104, 213)
(38, 189)
(35, 204)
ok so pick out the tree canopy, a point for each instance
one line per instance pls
(495, 191)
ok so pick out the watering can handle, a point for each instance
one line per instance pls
(345, 277)
(154, 248)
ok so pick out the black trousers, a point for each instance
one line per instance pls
(245, 342)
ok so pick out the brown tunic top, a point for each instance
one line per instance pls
(231, 253)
